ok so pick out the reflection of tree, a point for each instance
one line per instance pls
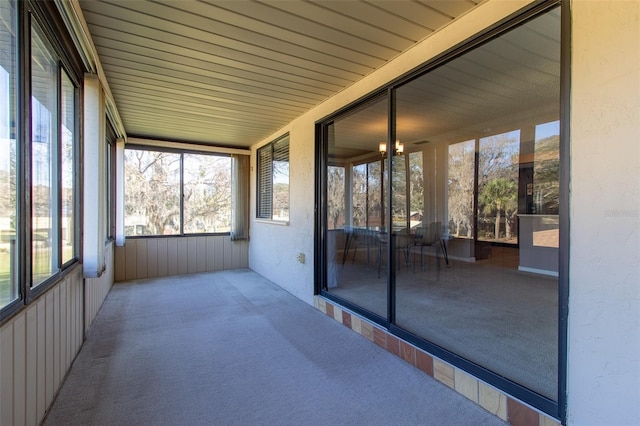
(399, 187)
(497, 197)
(498, 173)
(374, 194)
(546, 186)
(460, 190)
(335, 196)
(359, 198)
(416, 181)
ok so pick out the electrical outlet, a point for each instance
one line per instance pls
(301, 257)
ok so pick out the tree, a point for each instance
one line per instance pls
(335, 196)
(497, 197)
(207, 193)
(416, 181)
(152, 190)
(546, 175)
(498, 163)
(461, 177)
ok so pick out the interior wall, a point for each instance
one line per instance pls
(604, 301)
(274, 248)
(159, 257)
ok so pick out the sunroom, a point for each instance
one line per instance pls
(434, 175)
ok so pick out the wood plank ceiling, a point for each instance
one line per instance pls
(230, 73)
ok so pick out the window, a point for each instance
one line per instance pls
(53, 162)
(39, 146)
(110, 179)
(273, 180)
(207, 193)
(169, 193)
(68, 170)
(9, 290)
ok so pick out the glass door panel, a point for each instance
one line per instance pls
(355, 233)
(485, 127)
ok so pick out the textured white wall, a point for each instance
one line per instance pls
(273, 249)
(604, 302)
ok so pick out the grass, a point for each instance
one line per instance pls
(41, 270)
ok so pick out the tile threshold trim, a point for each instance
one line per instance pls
(511, 410)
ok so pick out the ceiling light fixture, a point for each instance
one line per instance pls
(398, 149)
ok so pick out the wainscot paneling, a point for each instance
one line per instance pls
(37, 347)
(160, 257)
(39, 344)
(96, 289)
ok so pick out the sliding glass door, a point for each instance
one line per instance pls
(461, 198)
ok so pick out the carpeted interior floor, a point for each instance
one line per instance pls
(487, 312)
(232, 348)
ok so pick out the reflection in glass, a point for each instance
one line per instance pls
(335, 197)
(281, 180)
(474, 206)
(356, 237)
(483, 284)
(207, 193)
(460, 188)
(44, 110)
(8, 188)
(546, 168)
(498, 166)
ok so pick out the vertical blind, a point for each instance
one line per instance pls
(275, 152)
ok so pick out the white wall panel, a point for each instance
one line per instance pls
(603, 382)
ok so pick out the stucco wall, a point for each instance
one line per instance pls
(604, 302)
(274, 248)
(604, 308)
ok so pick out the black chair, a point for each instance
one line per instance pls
(359, 237)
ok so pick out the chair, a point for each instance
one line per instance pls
(429, 237)
(383, 240)
(359, 237)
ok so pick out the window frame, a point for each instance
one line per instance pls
(181, 153)
(68, 62)
(52, 27)
(265, 185)
(110, 171)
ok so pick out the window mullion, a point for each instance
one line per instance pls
(182, 194)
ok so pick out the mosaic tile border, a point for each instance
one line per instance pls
(491, 399)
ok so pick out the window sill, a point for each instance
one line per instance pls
(273, 222)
